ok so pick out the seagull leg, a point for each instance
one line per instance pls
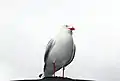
(54, 67)
(63, 71)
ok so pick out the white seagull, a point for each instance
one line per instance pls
(60, 52)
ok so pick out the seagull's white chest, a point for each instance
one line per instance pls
(62, 50)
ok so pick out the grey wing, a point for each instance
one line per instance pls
(73, 55)
(48, 49)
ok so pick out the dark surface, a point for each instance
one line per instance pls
(53, 79)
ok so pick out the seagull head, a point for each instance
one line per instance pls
(69, 28)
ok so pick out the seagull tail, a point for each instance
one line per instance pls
(41, 75)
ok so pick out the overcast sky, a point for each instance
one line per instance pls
(27, 25)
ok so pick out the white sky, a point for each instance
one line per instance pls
(27, 25)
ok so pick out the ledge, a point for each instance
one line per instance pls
(53, 79)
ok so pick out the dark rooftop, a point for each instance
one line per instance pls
(53, 79)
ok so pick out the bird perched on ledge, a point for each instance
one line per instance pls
(60, 52)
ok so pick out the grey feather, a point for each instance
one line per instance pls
(49, 47)
(50, 44)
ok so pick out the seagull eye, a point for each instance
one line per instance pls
(66, 26)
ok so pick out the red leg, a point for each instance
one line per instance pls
(54, 68)
(63, 71)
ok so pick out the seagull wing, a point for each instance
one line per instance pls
(49, 47)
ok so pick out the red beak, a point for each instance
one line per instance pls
(71, 28)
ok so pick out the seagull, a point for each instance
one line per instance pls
(60, 52)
